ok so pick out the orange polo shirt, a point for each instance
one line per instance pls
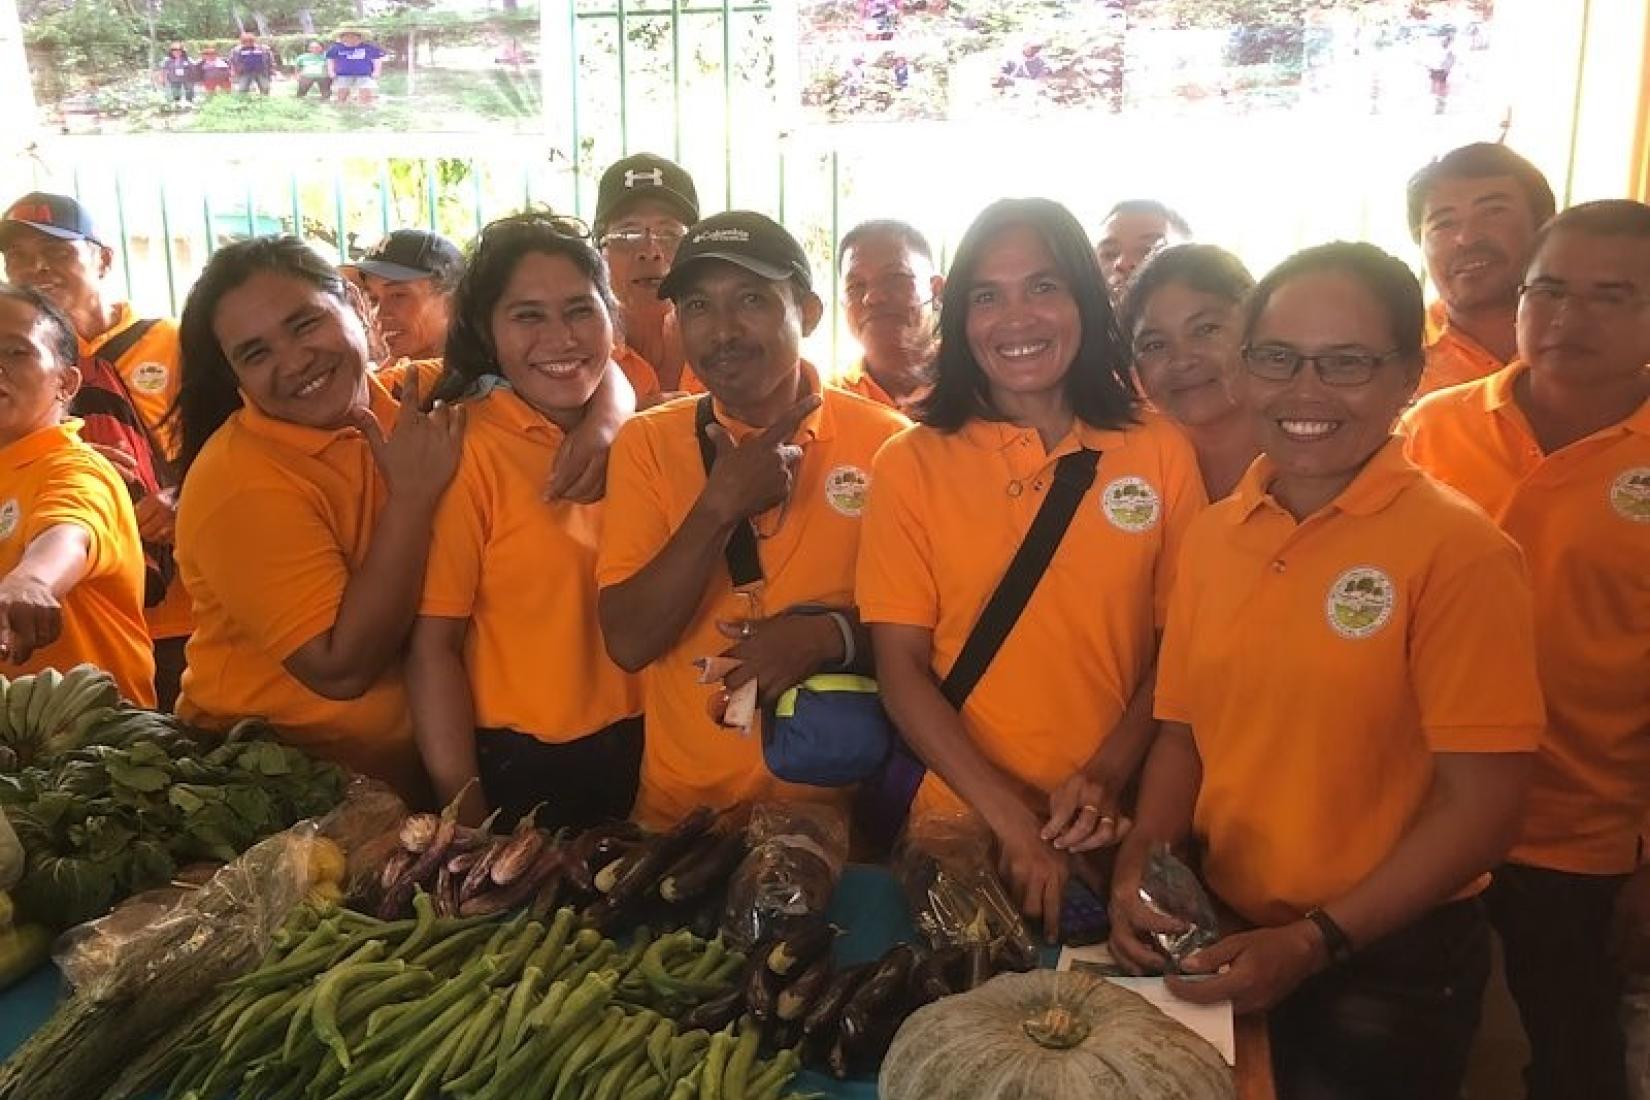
(523, 572)
(150, 368)
(1321, 664)
(274, 519)
(654, 477)
(858, 379)
(1582, 515)
(50, 477)
(948, 513)
(1453, 357)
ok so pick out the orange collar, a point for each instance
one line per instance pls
(312, 441)
(125, 318)
(1500, 394)
(820, 424)
(1384, 476)
(505, 408)
(38, 444)
(999, 435)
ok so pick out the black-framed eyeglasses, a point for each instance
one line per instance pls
(1602, 300)
(1276, 363)
(633, 240)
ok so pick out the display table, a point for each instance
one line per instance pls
(868, 905)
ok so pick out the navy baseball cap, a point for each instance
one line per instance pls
(644, 176)
(409, 254)
(753, 241)
(54, 215)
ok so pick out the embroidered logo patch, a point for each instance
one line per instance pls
(846, 488)
(10, 514)
(1360, 602)
(1630, 494)
(150, 378)
(1131, 504)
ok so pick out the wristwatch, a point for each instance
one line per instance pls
(1335, 939)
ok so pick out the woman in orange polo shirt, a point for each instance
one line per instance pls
(71, 564)
(304, 520)
(1330, 733)
(1182, 316)
(508, 676)
(1030, 369)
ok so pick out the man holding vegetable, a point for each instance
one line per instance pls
(789, 461)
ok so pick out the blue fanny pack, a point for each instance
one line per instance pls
(828, 731)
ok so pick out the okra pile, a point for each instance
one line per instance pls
(352, 1007)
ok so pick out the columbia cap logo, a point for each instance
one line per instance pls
(653, 178)
(735, 236)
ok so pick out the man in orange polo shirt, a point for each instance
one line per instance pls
(51, 244)
(1131, 232)
(790, 461)
(1556, 448)
(644, 205)
(1474, 211)
(890, 294)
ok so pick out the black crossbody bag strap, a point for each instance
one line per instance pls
(885, 800)
(744, 563)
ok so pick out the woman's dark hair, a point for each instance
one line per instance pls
(208, 392)
(1202, 267)
(1097, 385)
(470, 352)
(1388, 278)
(64, 344)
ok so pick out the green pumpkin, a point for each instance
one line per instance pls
(1050, 1036)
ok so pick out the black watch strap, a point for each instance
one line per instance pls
(1335, 939)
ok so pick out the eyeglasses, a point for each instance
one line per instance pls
(1602, 301)
(634, 240)
(1275, 363)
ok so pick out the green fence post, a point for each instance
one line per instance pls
(727, 102)
(338, 214)
(297, 205)
(211, 225)
(125, 245)
(166, 251)
(251, 210)
(676, 75)
(386, 195)
(574, 154)
(624, 85)
(431, 181)
(475, 191)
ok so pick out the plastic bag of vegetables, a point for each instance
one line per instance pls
(797, 853)
(135, 986)
(945, 866)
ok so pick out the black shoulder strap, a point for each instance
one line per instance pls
(744, 563)
(1073, 475)
(116, 346)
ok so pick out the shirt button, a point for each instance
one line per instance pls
(1015, 488)
(1279, 565)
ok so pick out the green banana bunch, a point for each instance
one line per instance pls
(51, 712)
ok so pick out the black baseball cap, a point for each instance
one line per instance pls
(753, 241)
(409, 254)
(54, 215)
(645, 176)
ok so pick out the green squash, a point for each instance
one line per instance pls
(1050, 1036)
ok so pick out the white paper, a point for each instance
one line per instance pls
(1212, 1022)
